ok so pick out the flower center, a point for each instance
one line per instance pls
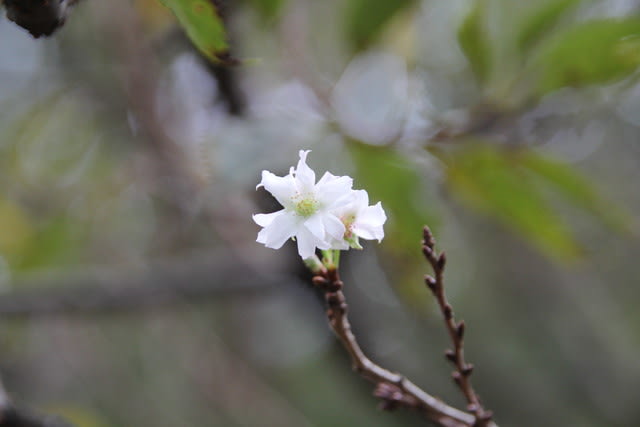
(306, 207)
(348, 221)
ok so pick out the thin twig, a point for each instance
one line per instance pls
(394, 389)
(463, 370)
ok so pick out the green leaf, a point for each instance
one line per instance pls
(594, 52)
(576, 189)
(489, 180)
(267, 9)
(538, 24)
(391, 178)
(474, 41)
(202, 21)
(365, 19)
(396, 181)
(55, 242)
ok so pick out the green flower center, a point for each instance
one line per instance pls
(306, 207)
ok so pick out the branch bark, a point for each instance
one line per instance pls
(194, 280)
(393, 388)
(39, 17)
(463, 370)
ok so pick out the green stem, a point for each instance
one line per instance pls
(331, 259)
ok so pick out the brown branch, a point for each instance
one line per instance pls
(394, 389)
(39, 17)
(198, 279)
(11, 416)
(463, 370)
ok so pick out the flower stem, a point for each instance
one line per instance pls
(331, 259)
(314, 264)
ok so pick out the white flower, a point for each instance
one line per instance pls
(360, 220)
(308, 213)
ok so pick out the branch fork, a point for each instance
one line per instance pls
(393, 389)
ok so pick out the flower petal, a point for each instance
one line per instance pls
(265, 219)
(333, 226)
(307, 243)
(327, 177)
(305, 176)
(281, 187)
(281, 228)
(361, 198)
(333, 192)
(315, 225)
(369, 223)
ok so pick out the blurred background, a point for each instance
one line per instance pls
(133, 292)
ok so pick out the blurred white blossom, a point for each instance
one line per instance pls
(370, 101)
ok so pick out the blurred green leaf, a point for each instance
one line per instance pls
(475, 43)
(576, 189)
(537, 25)
(391, 178)
(490, 180)
(267, 9)
(365, 19)
(395, 180)
(52, 244)
(590, 53)
(16, 229)
(202, 21)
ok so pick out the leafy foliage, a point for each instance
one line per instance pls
(475, 43)
(396, 181)
(268, 9)
(509, 184)
(576, 189)
(366, 18)
(203, 24)
(538, 24)
(390, 177)
(595, 52)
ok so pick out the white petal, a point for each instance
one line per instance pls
(307, 243)
(305, 176)
(281, 187)
(369, 223)
(361, 198)
(316, 226)
(266, 219)
(339, 244)
(329, 193)
(327, 177)
(333, 226)
(279, 230)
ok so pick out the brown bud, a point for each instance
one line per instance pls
(448, 311)
(442, 260)
(460, 329)
(467, 370)
(450, 355)
(335, 286)
(428, 236)
(431, 282)
(426, 250)
(319, 281)
(456, 377)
